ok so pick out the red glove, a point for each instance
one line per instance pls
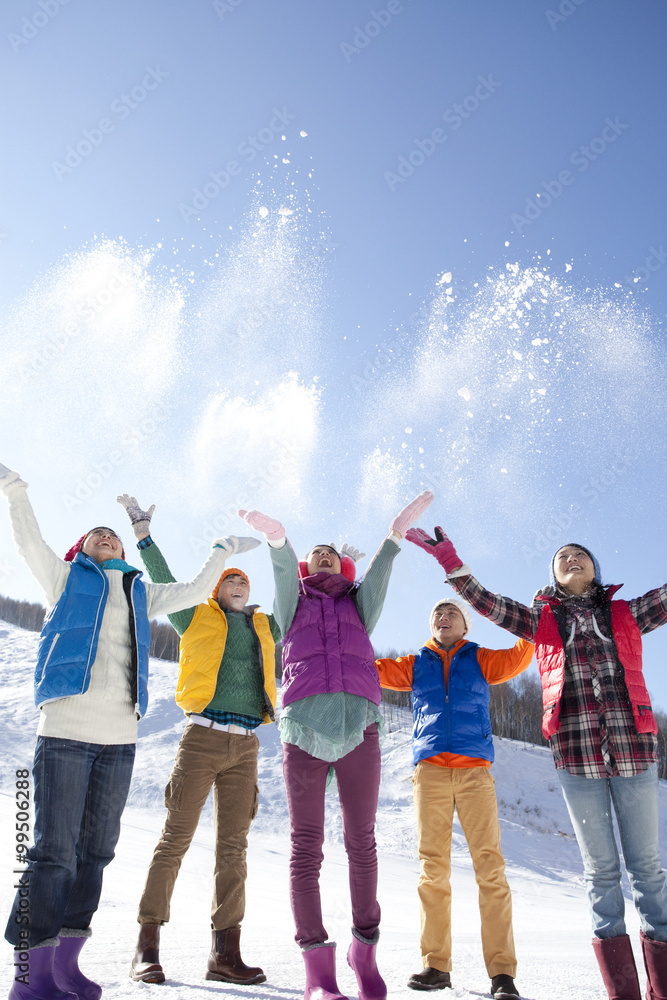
(439, 547)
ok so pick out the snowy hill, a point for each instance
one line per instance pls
(544, 868)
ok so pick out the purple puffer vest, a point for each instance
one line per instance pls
(326, 648)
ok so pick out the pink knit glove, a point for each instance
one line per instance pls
(272, 530)
(411, 513)
(440, 547)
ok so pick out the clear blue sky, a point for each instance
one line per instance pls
(447, 298)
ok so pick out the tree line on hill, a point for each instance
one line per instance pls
(516, 707)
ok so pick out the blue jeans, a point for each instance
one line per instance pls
(635, 802)
(80, 790)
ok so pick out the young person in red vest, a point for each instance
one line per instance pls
(598, 719)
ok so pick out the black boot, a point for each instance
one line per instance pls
(430, 979)
(503, 988)
(146, 966)
(225, 964)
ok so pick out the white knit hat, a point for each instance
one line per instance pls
(459, 605)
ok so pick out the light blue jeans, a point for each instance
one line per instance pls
(635, 802)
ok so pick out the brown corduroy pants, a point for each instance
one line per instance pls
(226, 762)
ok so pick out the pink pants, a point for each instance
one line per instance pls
(358, 776)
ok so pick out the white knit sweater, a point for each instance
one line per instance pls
(105, 713)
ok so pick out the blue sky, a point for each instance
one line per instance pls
(316, 256)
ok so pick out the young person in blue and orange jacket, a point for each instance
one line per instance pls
(453, 750)
(603, 735)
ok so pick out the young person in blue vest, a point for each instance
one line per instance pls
(598, 720)
(91, 688)
(227, 688)
(453, 750)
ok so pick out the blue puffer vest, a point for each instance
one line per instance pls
(68, 644)
(326, 648)
(454, 719)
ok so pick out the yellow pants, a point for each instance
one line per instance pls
(471, 791)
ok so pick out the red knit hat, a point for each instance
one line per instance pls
(232, 571)
(70, 554)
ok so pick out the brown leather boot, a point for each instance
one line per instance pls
(225, 964)
(146, 966)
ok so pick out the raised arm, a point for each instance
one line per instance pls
(154, 562)
(396, 674)
(50, 571)
(370, 595)
(169, 598)
(518, 619)
(650, 611)
(500, 665)
(285, 566)
(166, 598)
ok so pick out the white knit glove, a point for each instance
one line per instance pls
(354, 554)
(139, 519)
(7, 477)
(236, 546)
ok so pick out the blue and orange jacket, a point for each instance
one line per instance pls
(450, 697)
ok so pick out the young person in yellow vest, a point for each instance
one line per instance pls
(226, 687)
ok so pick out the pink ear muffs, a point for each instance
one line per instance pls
(347, 568)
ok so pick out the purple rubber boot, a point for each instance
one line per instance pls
(361, 958)
(320, 963)
(33, 980)
(66, 971)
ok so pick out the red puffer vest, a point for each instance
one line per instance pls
(550, 656)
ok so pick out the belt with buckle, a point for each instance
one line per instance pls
(226, 727)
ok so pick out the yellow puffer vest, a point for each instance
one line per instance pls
(202, 649)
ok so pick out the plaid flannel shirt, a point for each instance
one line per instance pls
(230, 718)
(597, 736)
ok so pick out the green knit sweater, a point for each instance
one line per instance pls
(240, 683)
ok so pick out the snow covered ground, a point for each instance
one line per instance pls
(544, 869)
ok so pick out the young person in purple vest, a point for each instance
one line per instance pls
(453, 751)
(598, 719)
(91, 687)
(227, 688)
(329, 720)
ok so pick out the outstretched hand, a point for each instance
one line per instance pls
(411, 513)
(236, 545)
(7, 476)
(439, 547)
(272, 530)
(354, 554)
(139, 519)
